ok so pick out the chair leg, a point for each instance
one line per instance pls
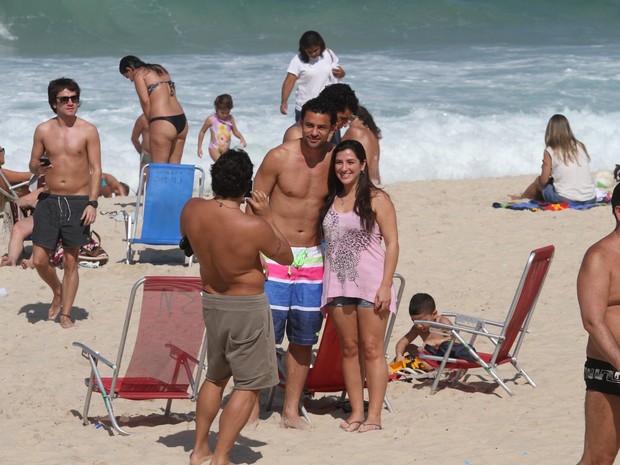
(89, 393)
(523, 373)
(304, 412)
(128, 236)
(501, 382)
(280, 356)
(168, 405)
(107, 398)
(108, 404)
(388, 404)
(272, 393)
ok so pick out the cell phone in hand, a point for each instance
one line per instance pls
(249, 191)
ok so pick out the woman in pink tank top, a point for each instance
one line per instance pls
(357, 282)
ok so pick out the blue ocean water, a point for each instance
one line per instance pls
(460, 89)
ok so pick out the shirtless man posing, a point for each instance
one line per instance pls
(294, 176)
(72, 169)
(239, 328)
(598, 291)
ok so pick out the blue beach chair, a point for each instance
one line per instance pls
(168, 188)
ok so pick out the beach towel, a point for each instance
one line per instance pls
(536, 206)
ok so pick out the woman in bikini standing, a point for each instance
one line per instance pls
(167, 122)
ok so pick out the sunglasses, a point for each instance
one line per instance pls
(65, 99)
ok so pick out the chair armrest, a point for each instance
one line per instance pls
(176, 351)
(460, 318)
(443, 327)
(94, 354)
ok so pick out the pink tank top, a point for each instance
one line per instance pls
(354, 259)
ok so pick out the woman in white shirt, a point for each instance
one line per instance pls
(312, 69)
(565, 175)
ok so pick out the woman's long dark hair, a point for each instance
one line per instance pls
(363, 192)
(134, 62)
(307, 40)
(368, 120)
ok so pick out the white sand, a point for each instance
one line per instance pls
(454, 245)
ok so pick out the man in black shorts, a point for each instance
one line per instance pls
(241, 344)
(598, 291)
(67, 151)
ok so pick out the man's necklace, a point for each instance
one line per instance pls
(221, 204)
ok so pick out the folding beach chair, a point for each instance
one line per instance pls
(11, 191)
(325, 373)
(168, 188)
(167, 348)
(506, 338)
(9, 194)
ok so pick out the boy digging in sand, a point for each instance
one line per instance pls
(72, 169)
(422, 307)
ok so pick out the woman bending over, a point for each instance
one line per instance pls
(167, 122)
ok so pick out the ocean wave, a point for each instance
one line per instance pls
(118, 27)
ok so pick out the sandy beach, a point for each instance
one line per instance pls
(453, 245)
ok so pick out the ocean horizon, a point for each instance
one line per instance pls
(460, 89)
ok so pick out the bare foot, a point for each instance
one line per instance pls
(27, 263)
(65, 321)
(369, 427)
(54, 310)
(515, 197)
(350, 426)
(200, 460)
(295, 423)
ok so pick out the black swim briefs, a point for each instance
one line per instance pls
(59, 217)
(601, 376)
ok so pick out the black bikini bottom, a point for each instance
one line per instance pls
(178, 121)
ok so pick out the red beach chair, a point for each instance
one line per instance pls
(167, 348)
(506, 338)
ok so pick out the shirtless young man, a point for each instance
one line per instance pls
(69, 205)
(598, 291)
(345, 103)
(294, 176)
(240, 337)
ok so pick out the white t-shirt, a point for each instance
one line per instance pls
(312, 77)
(573, 181)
